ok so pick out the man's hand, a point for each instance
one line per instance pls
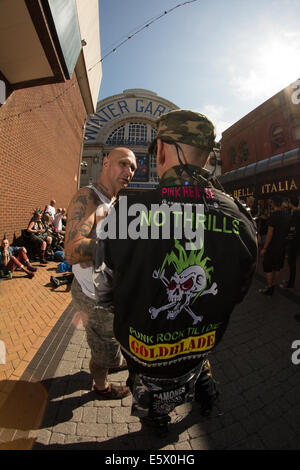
(81, 218)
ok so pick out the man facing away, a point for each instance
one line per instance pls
(293, 242)
(273, 251)
(173, 296)
(87, 208)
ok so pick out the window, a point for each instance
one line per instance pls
(117, 136)
(137, 132)
(296, 132)
(232, 156)
(152, 161)
(243, 152)
(153, 133)
(132, 133)
(277, 136)
(154, 179)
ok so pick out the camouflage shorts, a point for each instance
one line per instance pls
(105, 350)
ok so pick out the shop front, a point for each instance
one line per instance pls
(258, 182)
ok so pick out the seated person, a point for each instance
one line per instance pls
(49, 228)
(64, 219)
(37, 235)
(54, 238)
(12, 257)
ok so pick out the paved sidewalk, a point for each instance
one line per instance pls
(52, 407)
(29, 309)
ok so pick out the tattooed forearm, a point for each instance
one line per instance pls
(86, 249)
(83, 230)
(78, 246)
(81, 253)
(86, 228)
(71, 259)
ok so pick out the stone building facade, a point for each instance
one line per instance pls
(124, 120)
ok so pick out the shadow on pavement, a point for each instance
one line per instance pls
(28, 405)
(145, 439)
(65, 287)
(24, 406)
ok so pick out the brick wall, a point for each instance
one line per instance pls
(255, 129)
(40, 146)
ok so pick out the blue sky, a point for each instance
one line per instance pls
(220, 57)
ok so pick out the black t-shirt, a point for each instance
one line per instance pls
(263, 226)
(280, 223)
(294, 230)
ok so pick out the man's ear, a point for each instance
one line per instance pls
(105, 162)
(161, 157)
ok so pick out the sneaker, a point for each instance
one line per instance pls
(267, 291)
(158, 424)
(10, 275)
(285, 285)
(31, 268)
(55, 281)
(112, 392)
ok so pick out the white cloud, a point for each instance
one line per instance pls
(217, 114)
(271, 66)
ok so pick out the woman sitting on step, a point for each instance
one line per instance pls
(39, 237)
(12, 257)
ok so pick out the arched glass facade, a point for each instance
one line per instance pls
(124, 120)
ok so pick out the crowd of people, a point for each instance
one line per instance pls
(279, 239)
(42, 240)
(154, 305)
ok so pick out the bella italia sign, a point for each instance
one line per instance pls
(121, 109)
(281, 186)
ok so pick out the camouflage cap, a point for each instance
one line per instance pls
(187, 127)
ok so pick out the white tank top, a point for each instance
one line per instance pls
(84, 276)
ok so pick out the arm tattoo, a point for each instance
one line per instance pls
(86, 228)
(78, 213)
(81, 200)
(72, 235)
(86, 248)
(93, 196)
